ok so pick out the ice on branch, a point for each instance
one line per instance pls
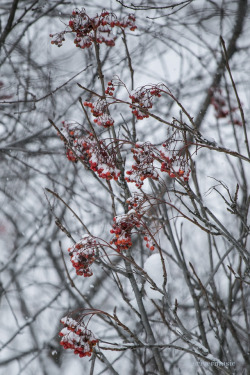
(82, 255)
(89, 30)
(77, 337)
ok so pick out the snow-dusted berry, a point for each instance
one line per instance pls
(89, 30)
(77, 337)
(82, 255)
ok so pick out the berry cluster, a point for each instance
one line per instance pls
(222, 109)
(77, 337)
(143, 168)
(135, 202)
(175, 164)
(72, 130)
(78, 138)
(129, 21)
(145, 155)
(100, 158)
(125, 223)
(122, 227)
(82, 255)
(103, 162)
(71, 156)
(149, 243)
(110, 89)
(97, 29)
(143, 98)
(99, 109)
(58, 38)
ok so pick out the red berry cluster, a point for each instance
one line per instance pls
(72, 130)
(145, 156)
(79, 139)
(122, 227)
(110, 89)
(175, 164)
(143, 97)
(71, 156)
(222, 110)
(97, 29)
(149, 243)
(143, 168)
(104, 120)
(82, 255)
(135, 202)
(125, 223)
(101, 159)
(77, 337)
(58, 38)
(129, 21)
(99, 109)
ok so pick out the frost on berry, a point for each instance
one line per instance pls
(129, 21)
(171, 156)
(99, 110)
(77, 337)
(142, 100)
(122, 228)
(89, 30)
(135, 202)
(104, 120)
(222, 109)
(140, 205)
(78, 138)
(57, 38)
(143, 167)
(175, 166)
(82, 255)
(72, 130)
(101, 159)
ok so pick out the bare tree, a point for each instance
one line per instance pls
(152, 203)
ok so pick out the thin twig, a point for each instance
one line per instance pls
(236, 94)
